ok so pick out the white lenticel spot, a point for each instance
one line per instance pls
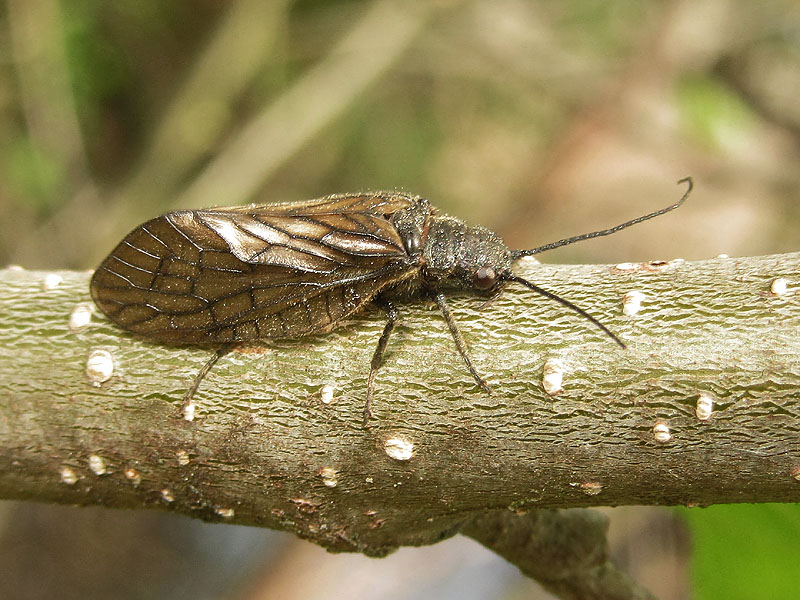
(329, 476)
(51, 282)
(661, 432)
(80, 317)
(591, 488)
(133, 476)
(99, 367)
(183, 457)
(399, 448)
(553, 376)
(97, 464)
(326, 394)
(704, 407)
(632, 303)
(627, 266)
(68, 476)
(779, 286)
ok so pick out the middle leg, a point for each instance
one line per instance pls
(461, 345)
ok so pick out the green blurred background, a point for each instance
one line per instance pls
(536, 119)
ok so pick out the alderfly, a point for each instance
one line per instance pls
(224, 276)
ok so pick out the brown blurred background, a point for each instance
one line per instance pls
(536, 119)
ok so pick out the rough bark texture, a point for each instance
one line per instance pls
(265, 449)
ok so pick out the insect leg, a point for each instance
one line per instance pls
(186, 411)
(461, 345)
(377, 358)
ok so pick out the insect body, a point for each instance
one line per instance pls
(229, 275)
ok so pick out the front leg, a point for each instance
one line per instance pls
(394, 315)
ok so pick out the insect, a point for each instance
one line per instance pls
(229, 275)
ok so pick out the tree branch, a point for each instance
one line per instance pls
(267, 448)
(564, 550)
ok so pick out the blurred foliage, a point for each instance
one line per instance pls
(537, 119)
(745, 552)
(715, 112)
(124, 59)
(32, 175)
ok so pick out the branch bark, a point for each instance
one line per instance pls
(267, 449)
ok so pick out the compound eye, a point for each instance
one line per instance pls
(485, 278)
(412, 242)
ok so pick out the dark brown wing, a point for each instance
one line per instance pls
(254, 272)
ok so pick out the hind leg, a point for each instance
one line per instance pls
(188, 406)
(377, 358)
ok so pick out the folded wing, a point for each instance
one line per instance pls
(253, 272)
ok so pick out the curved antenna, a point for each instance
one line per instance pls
(515, 254)
(567, 303)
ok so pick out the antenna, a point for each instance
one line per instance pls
(516, 254)
(567, 303)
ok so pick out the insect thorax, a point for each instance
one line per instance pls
(447, 250)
